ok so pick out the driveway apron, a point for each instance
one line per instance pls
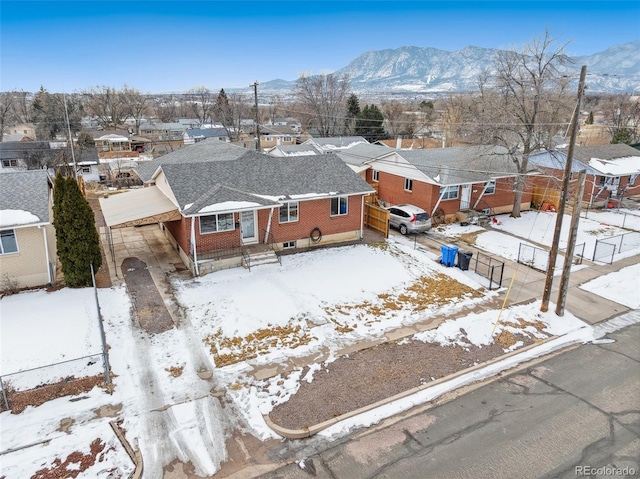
(151, 309)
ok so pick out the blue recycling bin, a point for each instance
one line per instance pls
(449, 253)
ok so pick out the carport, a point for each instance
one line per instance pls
(139, 207)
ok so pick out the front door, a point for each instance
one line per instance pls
(465, 197)
(249, 227)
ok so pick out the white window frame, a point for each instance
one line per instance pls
(15, 240)
(490, 190)
(408, 184)
(289, 219)
(375, 175)
(339, 201)
(288, 245)
(447, 191)
(10, 163)
(218, 223)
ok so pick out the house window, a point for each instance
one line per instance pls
(375, 175)
(449, 192)
(289, 212)
(215, 223)
(288, 245)
(339, 206)
(9, 163)
(490, 188)
(8, 242)
(86, 169)
(408, 184)
(287, 138)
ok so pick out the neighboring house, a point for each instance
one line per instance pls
(112, 143)
(227, 201)
(22, 155)
(336, 143)
(612, 170)
(411, 143)
(87, 163)
(27, 130)
(274, 135)
(27, 237)
(195, 135)
(449, 179)
(164, 131)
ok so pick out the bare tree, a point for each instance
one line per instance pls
(396, 118)
(22, 111)
(6, 107)
(55, 114)
(530, 100)
(621, 112)
(165, 107)
(138, 105)
(108, 105)
(200, 101)
(324, 96)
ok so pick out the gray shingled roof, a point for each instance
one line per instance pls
(29, 191)
(261, 179)
(462, 165)
(602, 152)
(21, 149)
(207, 150)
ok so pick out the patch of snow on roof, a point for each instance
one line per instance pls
(17, 217)
(617, 167)
(228, 206)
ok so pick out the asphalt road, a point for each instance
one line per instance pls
(574, 414)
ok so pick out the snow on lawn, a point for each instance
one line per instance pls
(618, 286)
(69, 333)
(320, 299)
(539, 227)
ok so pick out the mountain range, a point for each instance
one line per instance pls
(423, 70)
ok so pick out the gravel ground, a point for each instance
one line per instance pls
(370, 375)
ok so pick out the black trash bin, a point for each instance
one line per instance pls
(464, 258)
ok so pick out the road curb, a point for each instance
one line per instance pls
(134, 455)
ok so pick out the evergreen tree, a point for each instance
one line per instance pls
(353, 111)
(589, 119)
(623, 135)
(370, 124)
(77, 239)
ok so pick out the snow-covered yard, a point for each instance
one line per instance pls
(310, 308)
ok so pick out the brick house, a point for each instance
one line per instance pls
(27, 237)
(224, 204)
(448, 179)
(612, 171)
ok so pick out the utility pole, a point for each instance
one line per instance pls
(255, 92)
(553, 253)
(571, 245)
(73, 155)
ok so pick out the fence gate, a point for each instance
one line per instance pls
(377, 218)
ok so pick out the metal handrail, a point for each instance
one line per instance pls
(271, 242)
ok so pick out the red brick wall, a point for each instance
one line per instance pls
(316, 213)
(311, 214)
(391, 190)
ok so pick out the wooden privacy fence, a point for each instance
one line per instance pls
(542, 195)
(376, 218)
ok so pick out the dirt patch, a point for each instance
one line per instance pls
(19, 400)
(74, 464)
(151, 309)
(374, 374)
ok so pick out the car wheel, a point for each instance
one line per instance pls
(403, 229)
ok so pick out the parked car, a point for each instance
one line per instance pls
(409, 219)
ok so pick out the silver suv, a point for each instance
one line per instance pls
(409, 219)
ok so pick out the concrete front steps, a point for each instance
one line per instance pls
(258, 258)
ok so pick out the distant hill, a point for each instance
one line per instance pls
(408, 70)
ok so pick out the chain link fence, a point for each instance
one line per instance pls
(606, 249)
(51, 381)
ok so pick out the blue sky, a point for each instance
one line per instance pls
(160, 46)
